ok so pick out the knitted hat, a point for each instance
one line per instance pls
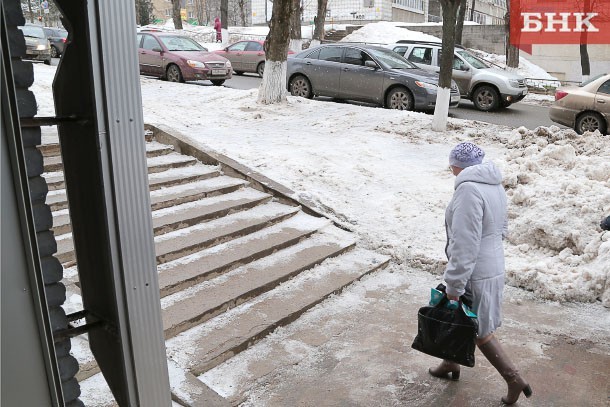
(466, 154)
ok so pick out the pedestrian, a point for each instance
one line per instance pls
(476, 225)
(605, 224)
(218, 28)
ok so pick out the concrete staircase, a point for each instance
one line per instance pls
(223, 245)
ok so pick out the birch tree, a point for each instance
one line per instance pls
(443, 94)
(273, 86)
(176, 14)
(459, 26)
(512, 51)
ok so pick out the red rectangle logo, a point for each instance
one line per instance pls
(559, 22)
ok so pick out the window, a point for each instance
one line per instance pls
(168, 12)
(240, 46)
(331, 54)
(353, 56)
(139, 41)
(412, 5)
(400, 50)
(254, 46)
(314, 55)
(457, 62)
(150, 42)
(191, 14)
(368, 3)
(605, 88)
(421, 55)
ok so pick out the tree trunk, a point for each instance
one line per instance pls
(273, 86)
(224, 14)
(459, 27)
(31, 12)
(472, 9)
(242, 11)
(176, 14)
(512, 51)
(296, 41)
(319, 21)
(584, 52)
(443, 95)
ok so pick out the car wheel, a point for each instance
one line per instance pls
(400, 99)
(174, 74)
(486, 98)
(217, 82)
(240, 73)
(54, 52)
(300, 86)
(260, 69)
(590, 121)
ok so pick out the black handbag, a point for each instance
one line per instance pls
(446, 333)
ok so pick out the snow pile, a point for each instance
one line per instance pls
(558, 184)
(386, 33)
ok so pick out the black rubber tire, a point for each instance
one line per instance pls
(173, 74)
(486, 98)
(217, 82)
(54, 52)
(300, 86)
(400, 98)
(590, 121)
(239, 73)
(260, 69)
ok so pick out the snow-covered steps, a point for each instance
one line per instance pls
(52, 163)
(167, 161)
(177, 176)
(189, 270)
(184, 242)
(189, 214)
(204, 301)
(193, 191)
(207, 345)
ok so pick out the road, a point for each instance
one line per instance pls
(519, 114)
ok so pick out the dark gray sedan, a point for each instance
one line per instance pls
(364, 73)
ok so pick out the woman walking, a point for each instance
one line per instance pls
(476, 224)
(218, 28)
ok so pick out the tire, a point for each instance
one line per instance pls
(590, 121)
(217, 82)
(260, 69)
(300, 86)
(54, 52)
(239, 73)
(399, 98)
(486, 98)
(47, 61)
(173, 74)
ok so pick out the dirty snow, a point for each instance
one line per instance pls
(386, 33)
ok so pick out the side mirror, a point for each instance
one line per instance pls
(371, 64)
(157, 49)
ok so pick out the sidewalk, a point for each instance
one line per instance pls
(354, 350)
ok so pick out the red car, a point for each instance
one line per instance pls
(178, 59)
(246, 56)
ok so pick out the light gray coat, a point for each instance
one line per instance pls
(476, 224)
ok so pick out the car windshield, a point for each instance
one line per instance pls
(32, 31)
(594, 78)
(180, 44)
(472, 60)
(391, 59)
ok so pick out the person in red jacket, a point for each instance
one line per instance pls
(218, 28)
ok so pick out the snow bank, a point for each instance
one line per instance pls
(558, 184)
(386, 33)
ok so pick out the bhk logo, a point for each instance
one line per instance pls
(559, 22)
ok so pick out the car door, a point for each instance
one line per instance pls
(150, 56)
(235, 54)
(252, 55)
(422, 57)
(461, 74)
(602, 100)
(357, 81)
(324, 73)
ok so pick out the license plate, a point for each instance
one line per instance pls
(218, 72)
(455, 99)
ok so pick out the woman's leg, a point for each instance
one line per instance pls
(444, 369)
(491, 348)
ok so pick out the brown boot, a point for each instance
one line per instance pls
(444, 369)
(498, 358)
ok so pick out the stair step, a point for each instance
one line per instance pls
(57, 199)
(61, 222)
(50, 150)
(179, 194)
(52, 163)
(189, 214)
(55, 180)
(209, 263)
(207, 345)
(184, 242)
(177, 176)
(165, 162)
(155, 149)
(65, 250)
(198, 304)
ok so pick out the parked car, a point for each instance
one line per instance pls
(364, 73)
(178, 58)
(245, 56)
(489, 88)
(585, 107)
(57, 38)
(37, 44)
